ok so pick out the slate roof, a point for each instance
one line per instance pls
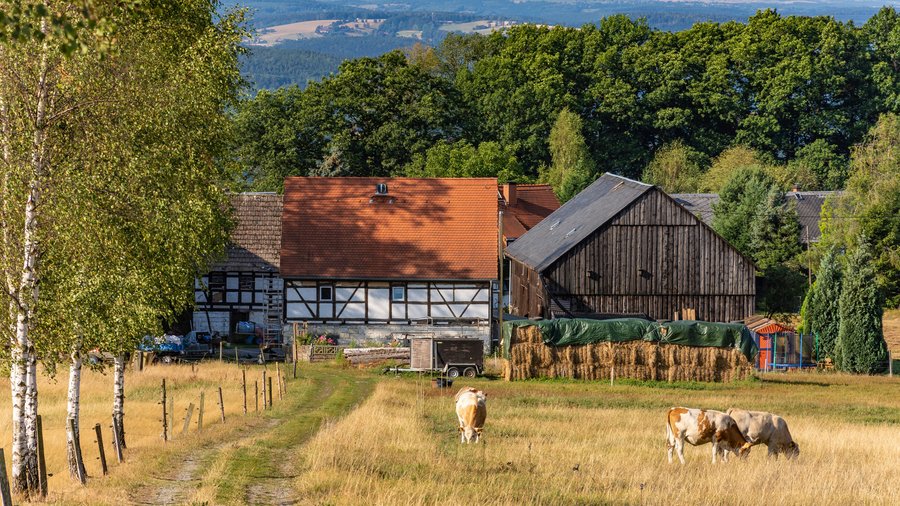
(809, 209)
(423, 229)
(256, 239)
(575, 220)
(533, 203)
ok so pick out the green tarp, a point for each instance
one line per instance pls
(569, 331)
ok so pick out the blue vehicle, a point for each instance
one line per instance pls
(167, 349)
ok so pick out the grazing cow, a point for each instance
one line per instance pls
(471, 411)
(759, 427)
(701, 426)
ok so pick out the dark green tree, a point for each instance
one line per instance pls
(462, 159)
(739, 201)
(821, 307)
(860, 346)
(821, 160)
(774, 231)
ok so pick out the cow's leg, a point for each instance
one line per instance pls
(773, 451)
(715, 450)
(679, 447)
(725, 455)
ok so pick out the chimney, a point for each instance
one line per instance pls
(509, 193)
(795, 188)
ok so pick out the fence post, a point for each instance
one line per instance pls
(890, 364)
(221, 405)
(79, 462)
(221, 348)
(5, 495)
(278, 373)
(100, 446)
(801, 351)
(140, 360)
(265, 404)
(270, 392)
(187, 418)
(200, 413)
(42, 463)
(117, 445)
(244, 388)
(256, 394)
(165, 415)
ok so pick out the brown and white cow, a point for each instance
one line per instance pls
(760, 427)
(471, 411)
(701, 426)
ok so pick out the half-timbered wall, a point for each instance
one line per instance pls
(394, 302)
(654, 258)
(218, 295)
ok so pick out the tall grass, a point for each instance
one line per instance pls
(573, 442)
(147, 456)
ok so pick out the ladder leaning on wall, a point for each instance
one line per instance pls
(274, 307)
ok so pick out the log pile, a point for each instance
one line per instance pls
(367, 357)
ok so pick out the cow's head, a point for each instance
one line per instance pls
(791, 450)
(744, 451)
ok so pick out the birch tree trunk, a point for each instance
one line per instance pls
(72, 406)
(119, 397)
(24, 461)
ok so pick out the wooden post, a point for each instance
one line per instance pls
(284, 383)
(270, 392)
(187, 418)
(890, 364)
(265, 404)
(278, 373)
(236, 360)
(221, 349)
(244, 388)
(140, 360)
(295, 367)
(42, 463)
(165, 418)
(117, 445)
(79, 462)
(221, 405)
(100, 447)
(256, 395)
(5, 495)
(200, 413)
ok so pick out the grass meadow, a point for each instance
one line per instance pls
(563, 442)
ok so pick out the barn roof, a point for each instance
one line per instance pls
(525, 207)
(433, 229)
(255, 242)
(809, 209)
(556, 234)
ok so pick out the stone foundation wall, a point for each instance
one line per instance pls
(371, 335)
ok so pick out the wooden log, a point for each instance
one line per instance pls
(165, 416)
(221, 405)
(42, 462)
(79, 461)
(5, 495)
(100, 447)
(117, 442)
(187, 418)
(200, 412)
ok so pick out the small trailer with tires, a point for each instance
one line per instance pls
(454, 357)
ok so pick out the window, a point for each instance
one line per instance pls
(398, 293)
(246, 282)
(217, 287)
(325, 292)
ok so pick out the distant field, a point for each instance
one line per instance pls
(292, 31)
(591, 443)
(482, 26)
(891, 325)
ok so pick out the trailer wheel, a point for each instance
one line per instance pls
(453, 372)
(470, 372)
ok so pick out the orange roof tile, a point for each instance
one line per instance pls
(422, 229)
(533, 203)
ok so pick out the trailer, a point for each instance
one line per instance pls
(453, 356)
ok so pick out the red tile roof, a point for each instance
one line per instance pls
(532, 203)
(422, 229)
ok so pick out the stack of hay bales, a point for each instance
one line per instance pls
(529, 357)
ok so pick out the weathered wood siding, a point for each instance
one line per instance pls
(527, 296)
(654, 258)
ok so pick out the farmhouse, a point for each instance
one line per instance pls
(380, 258)
(624, 247)
(245, 286)
(524, 206)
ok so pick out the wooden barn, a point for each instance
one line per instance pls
(621, 247)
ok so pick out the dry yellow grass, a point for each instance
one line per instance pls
(147, 456)
(891, 324)
(401, 446)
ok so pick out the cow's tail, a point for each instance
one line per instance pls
(670, 435)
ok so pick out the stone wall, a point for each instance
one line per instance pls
(372, 334)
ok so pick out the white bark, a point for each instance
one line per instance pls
(72, 408)
(119, 397)
(24, 461)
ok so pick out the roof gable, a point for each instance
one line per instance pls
(255, 242)
(439, 228)
(575, 220)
